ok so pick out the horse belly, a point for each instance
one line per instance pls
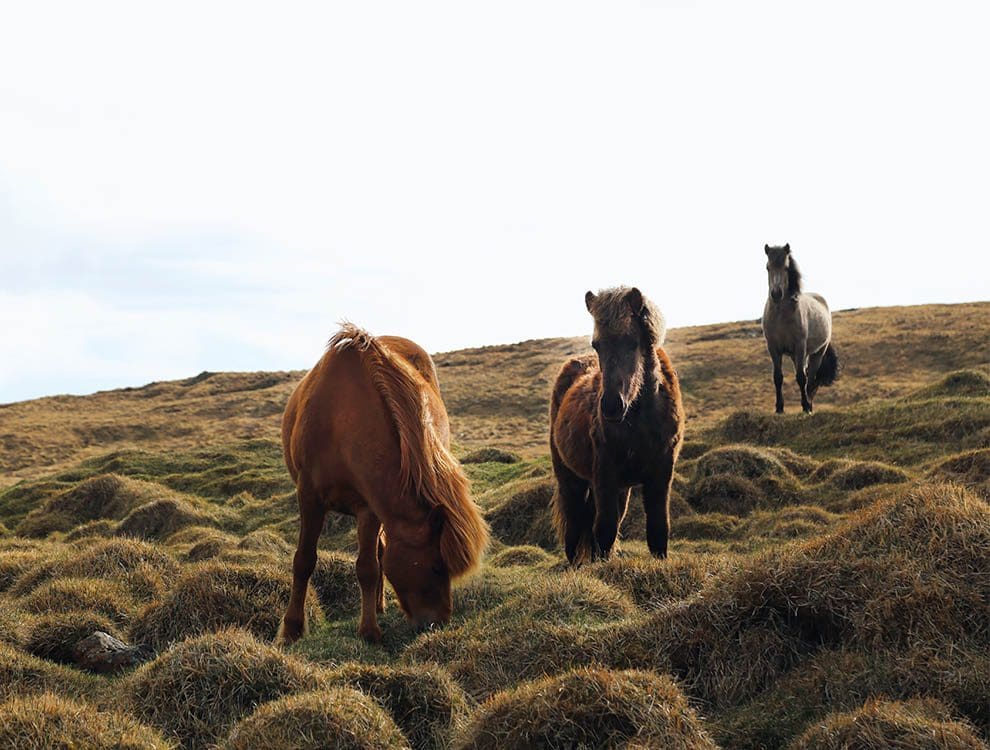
(572, 431)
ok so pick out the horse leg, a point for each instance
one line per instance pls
(814, 362)
(801, 373)
(572, 512)
(380, 602)
(311, 517)
(608, 497)
(778, 380)
(369, 574)
(656, 503)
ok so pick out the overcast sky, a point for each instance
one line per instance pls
(204, 186)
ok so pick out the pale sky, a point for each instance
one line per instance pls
(212, 186)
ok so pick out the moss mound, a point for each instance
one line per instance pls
(48, 722)
(140, 567)
(160, 518)
(519, 512)
(100, 529)
(53, 636)
(725, 493)
(524, 554)
(336, 584)
(905, 571)
(490, 455)
(211, 596)
(196, 691)
(911, 725)
(654, 583)
(340, 718)
(588, 708)
(425, 702)
(104, 496)
(568, 597)
(971, 468)
(965, 383)
(22, 674)
(865, 474)
(63, 595)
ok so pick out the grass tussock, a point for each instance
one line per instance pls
(911, 725)
(161, 518)
(338, 718)
(50, 722)
(140, 567)
(102, 528)
(107, 496)
(62, 595)
(519, 513)
(654, 583)
(198, 690)
(425, 702)
(521, 555)
(969, 468)
(212, 596)
(53, 636)
(905, 571)
(23, 674)
(490, 455)
(335, 582)
(588, 708)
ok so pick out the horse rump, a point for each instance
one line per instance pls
(829, 369)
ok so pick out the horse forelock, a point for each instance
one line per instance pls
(612, 312)
(426, 468)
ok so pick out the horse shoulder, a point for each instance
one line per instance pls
(671, 385)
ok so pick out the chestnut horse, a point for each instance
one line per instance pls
(366, 434)
(616, 420)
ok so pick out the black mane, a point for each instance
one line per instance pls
(793, 279)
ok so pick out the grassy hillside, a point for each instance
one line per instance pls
(828, 582)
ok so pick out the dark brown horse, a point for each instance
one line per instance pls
(616, 421)
(365, 433)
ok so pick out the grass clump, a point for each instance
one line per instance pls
(653, 583)
(48, 722)
(339, 718)
(490, 455)
(139, 566)
(425, 702)
(867, 473)
(161, 518)
(965, 383)
(527, 555)
(519, 513)
(912, 725)
(568, 597)
(198, 690)
(588, 708)
(335, 581)
(104, 496)
(211, 596)
(970, 468)
(102, 528)
(23, 674)
(53, 636)
(62, 595)
(726, 494)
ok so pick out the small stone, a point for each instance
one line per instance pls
(104, 654)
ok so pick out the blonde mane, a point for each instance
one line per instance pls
(426, 466)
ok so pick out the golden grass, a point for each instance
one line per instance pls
(50, 722)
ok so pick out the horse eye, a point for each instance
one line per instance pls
(437, 569)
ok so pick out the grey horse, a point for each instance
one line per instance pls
(799, 325)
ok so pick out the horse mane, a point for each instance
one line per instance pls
(426, 466)
(793, 278)
(611, 309)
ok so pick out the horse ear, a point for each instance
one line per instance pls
(766, 249)
(787, 247)
(589, 301)
(634, 298)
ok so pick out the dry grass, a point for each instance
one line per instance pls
(198, 690)
(53, 636)
(911, 725)
(426, 703)
(95, 595)
(588, 708)
(212, 596)
(339, 718)
(22, 674)
(49, 722)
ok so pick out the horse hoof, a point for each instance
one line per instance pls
(288, 633)
(371, 634)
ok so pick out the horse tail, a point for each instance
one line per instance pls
(829, 369)
(426, 466)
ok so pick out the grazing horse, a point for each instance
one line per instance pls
(366, 434)
(616, 420)
(798, 324)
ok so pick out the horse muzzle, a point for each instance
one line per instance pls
(613, 408)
